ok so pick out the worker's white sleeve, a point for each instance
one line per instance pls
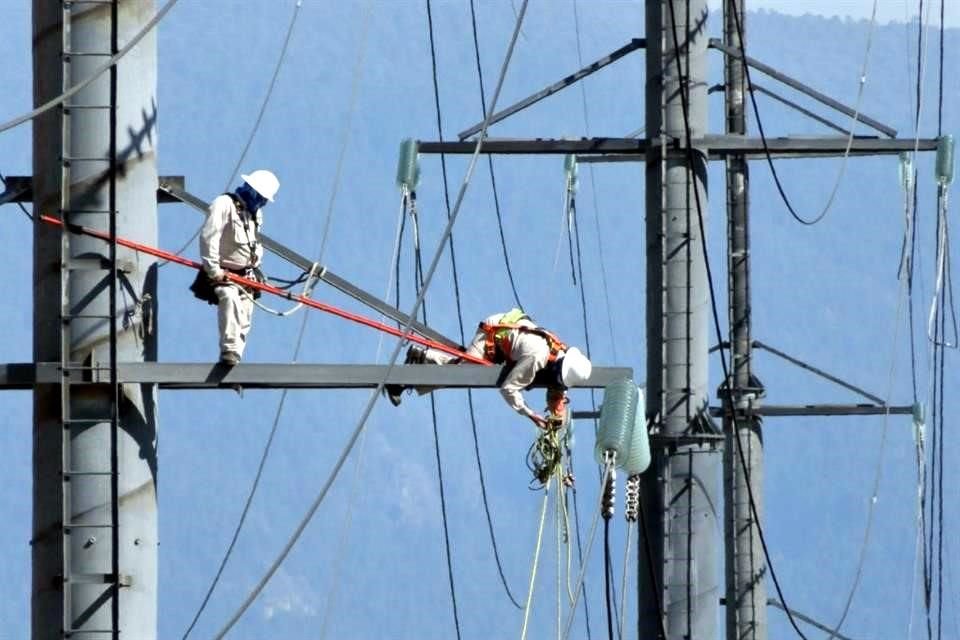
(520, 377)
(217, 217)
(475, 348)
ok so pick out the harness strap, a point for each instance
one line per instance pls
(496, 343)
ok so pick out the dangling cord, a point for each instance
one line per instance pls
(564, 480)
(313, 277)
(536, 559)
(609, 458)
(558, 476)
(566, 224)
(943, 274)
(609, 502)
(631, 503)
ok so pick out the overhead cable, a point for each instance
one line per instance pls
(303, 325)
(407, 330)
(493, 177)
(608, 469)
(593, 188)
(340, 554)
(113, 60)
(456, 290)
(853, 121)
(713, 301)
(448, 553)
(256, 125)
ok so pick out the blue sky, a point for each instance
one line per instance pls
(371, 563)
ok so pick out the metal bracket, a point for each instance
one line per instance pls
(718, 44)
(20, 189)
(633, 45)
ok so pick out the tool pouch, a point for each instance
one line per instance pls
(203, 288)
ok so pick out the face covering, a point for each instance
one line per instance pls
(250, 197)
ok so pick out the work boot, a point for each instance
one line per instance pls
(229, 358)
(394, 393)
(416, 354)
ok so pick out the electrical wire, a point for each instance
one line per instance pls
(576, 518)
(407, 330)
(80, 86)
(713, 303)
(536, 559)
(493, 177)
(623, 582)
(300, 336)
(456, 291)
(256, 125)
(583, 565)
(853, 121)
(608, 583)
(418, 280)
(593, 189)
(340, 554)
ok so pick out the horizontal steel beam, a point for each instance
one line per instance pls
(294, 258)
(283, 376)
(781, 411)
(716, 147)
(20, 189)
(734, 52)
(824, 410)
(633, 45)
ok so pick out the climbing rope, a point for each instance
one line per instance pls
(536, 560)
(607, 470)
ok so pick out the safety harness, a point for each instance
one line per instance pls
(497, 347)
(204, 288)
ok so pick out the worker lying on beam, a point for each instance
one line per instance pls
(531, 354)
(229, 244)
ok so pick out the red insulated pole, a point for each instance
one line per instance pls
(253, 284)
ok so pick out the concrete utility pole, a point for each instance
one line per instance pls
(680, 495)
(94, 544)
(746, 592)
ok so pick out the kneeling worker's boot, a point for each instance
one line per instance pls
(394, 393)
(416, 354)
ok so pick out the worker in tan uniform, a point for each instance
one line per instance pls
(229, 243)
(512, 339)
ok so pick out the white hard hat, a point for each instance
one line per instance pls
(263, 182)
(575, 368)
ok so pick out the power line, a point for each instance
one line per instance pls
(593, 188)
(80, 86)
(493, 177)
(456, 291)
(853, 122)
(713, 301)
(351, 441)
(256, 125)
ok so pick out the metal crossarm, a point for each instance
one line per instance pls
(633, 45)
(195, 375)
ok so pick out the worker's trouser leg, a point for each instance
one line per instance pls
(234, 310)
(435, 356)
